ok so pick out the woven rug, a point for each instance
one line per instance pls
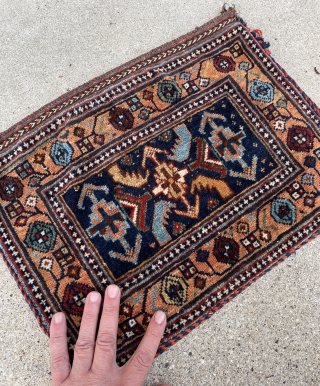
(182, 176)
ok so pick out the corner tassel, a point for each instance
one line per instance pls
(257, 33)
(226, 7)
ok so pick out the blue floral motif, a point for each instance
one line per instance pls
(244, 66)
(307, 179)
(61, 153)
(261, 91)
(283, 211)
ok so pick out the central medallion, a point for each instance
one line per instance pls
(170, 181)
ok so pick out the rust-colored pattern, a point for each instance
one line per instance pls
(182, 176)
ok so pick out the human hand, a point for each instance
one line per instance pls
(95, 359)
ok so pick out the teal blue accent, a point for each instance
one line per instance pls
(160, 214)
(61, 153)
(283, 211)
(41, 236)
(261, 91)
(182, 147)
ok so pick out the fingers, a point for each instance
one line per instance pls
(139, 364)
(84, 348)
(106, 344)
(60, 364)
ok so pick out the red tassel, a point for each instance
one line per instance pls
(258, 33)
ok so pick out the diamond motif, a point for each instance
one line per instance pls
(41, 236)
(261, 91)
(283, 211)
(174, 290)
(61, 153)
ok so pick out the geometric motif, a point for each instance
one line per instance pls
(41, 236)
(134, 103)
(226, 250)
(310, 161)
(121, 118)
(310, 201)
(271, 112)
(10, 188)
(14, 209)
(280, 125)
(181, 176)
(191, 87)
(228, 144)
(74, 272)
(79, 131)
(251, 243)
(296, 190)
(174, 290)
(145, 113)
(24, 170)
(188, 269)
(61, 153)
(74, 297)
(261, 91)
(131, 328)
(21, 221)
(46, 264)
(35, 181)
(236, 50)
(202, 256)
(307, 179)
(31, 201)
(136, 207)
(243, 228)
(63, 256)
(300, 138)
(224, 63)
(169, 91)
(283, 211)
(199, 282)
(84, 145)
(107, 221)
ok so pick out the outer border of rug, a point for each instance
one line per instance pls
(232, 294)
(85, 87)
(43, 323)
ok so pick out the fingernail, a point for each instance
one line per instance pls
(112, 291)
(58, 318)
(94, 297)
(159, 317)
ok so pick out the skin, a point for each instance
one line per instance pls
(95, 359)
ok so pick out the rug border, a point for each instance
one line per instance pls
(233, 294)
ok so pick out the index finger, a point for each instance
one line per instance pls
(59, 357)
(137, 368)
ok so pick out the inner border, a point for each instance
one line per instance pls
(226, 87)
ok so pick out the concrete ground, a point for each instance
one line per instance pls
(269, 335)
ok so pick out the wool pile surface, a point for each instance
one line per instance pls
(182, 176)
